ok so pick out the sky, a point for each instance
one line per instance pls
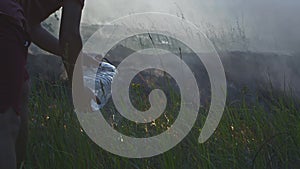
(269, 24)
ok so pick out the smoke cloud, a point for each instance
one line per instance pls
(270, 25)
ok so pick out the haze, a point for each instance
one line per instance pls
(269, 24)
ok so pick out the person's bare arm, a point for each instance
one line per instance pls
(69, 36)
(69, 43)
(45, 40)
(68, 46)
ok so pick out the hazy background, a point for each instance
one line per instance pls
(258, 40)
(270, 25)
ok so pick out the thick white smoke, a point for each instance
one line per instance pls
(269, 24)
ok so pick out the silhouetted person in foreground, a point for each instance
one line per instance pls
(20, 23)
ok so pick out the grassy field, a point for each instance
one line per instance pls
(263, 134)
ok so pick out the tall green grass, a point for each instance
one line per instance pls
(263, 134)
